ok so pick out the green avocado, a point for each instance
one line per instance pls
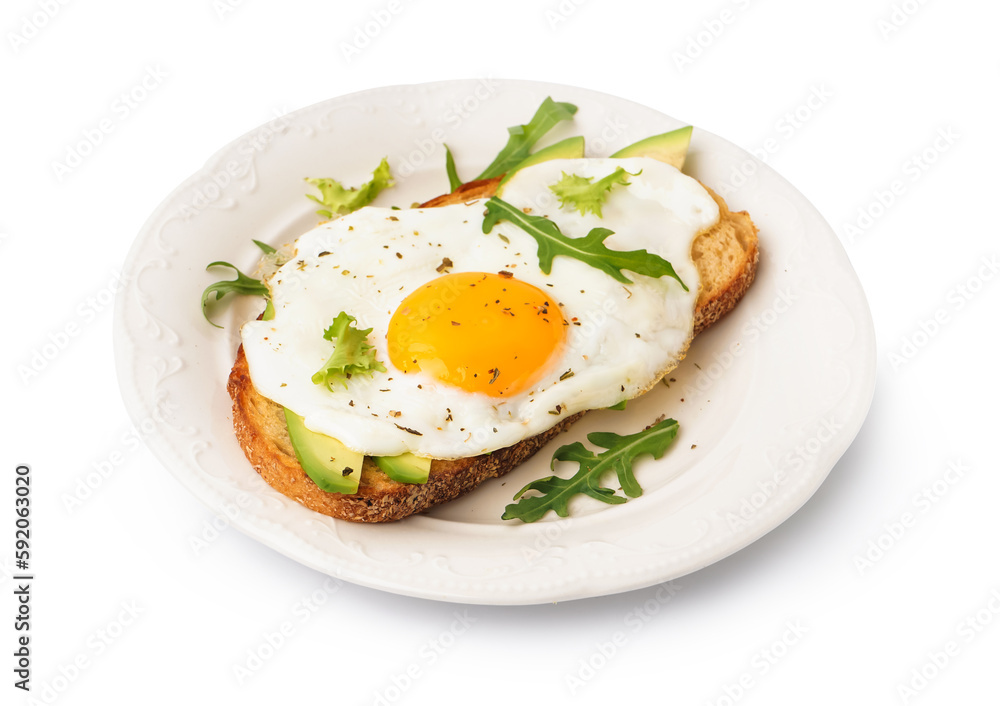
(268, 312)
(331, 465)
(670, 147)
(405, 468)
(570, 148)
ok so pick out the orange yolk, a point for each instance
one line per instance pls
(478, 331)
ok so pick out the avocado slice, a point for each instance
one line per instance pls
(570, 148)
(268, 312)
(405, 468)
(331, 465)
(670, 147)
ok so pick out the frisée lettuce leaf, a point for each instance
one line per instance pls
(584, 194)
(339, 200)
(353, 355)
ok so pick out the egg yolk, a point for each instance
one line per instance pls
(478, 331)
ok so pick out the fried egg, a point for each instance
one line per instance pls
(481, 348)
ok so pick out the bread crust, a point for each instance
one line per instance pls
(713, 305)
(260, 426)
(263, 435)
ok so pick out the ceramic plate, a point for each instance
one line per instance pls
(767, 400)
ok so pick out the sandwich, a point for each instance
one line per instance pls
(406, 356)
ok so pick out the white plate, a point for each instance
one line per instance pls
(768, 399)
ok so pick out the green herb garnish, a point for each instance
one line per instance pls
(243, 284)
(523, 137)
(589, 249)
(584, 194)
(449, 166)
(620, 452)
(339, 200)
(570, 148)
(352, 355)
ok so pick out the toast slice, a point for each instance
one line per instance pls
(726, 256)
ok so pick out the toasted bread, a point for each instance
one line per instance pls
(726, 256)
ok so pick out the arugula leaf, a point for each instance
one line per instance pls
(589, 249)
(523, 137)
(620, 452)
(243, 284)
(339, 200)
(578, 192)
(352, 355)
(265, 248)
(449, 166)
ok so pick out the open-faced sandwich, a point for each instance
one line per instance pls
(407, 355)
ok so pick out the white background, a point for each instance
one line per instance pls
(125, 610)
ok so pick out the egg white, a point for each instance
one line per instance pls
(623, 339)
